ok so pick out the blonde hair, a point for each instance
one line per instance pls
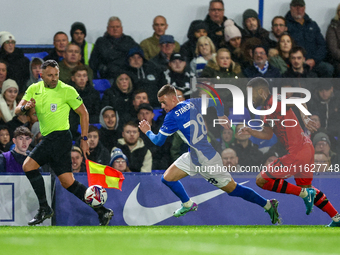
(130, 82)
(336, 13)
(236, 68)
(200, 40)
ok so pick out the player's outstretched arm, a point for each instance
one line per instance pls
(24, 106)
(84, 124)
(158, 139)
(266, 133)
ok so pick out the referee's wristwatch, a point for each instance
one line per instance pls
(84, 138)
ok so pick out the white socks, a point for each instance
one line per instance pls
(268, 205)
(188, 204)
(303, 193)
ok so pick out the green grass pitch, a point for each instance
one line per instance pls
(161, 240)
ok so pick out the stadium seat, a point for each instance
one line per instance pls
(157, 112)
(101, 85)
(41, 55)
(94, 124)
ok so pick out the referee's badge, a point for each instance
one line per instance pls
(53, 107)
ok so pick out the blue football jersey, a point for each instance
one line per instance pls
(186, 119)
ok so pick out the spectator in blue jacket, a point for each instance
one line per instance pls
(306, 33)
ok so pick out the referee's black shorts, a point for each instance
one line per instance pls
(55, 149)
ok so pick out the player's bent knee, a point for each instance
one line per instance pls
(230, 186)
(260, 181)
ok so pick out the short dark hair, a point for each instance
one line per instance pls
(130, 123)
(216, 1)
(36, 61)
(295, 49)
(4, 62)
(51, 63)
(3, 127)
(59, 33)
(79, 68)
(21, 130)
(167, 90)
(258, 82)
(278, 17)
(139, 91)
(93, 128)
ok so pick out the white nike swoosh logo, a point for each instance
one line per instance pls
(135, 214)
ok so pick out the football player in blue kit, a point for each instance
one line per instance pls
(186, 119)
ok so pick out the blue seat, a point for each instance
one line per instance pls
(94, 124)
(41, 55)
(101, 85)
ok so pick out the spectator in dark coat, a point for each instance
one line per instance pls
(167, 45)
(109, 52)
(17, 63)
(261, 66)
(60, 41)
(215, 21)
(98, 153)
(161, 159)
(326, 102)
(145, 75)
(197, 29)
(298, 68)
(306, 33)
(109, 132)
(90, 96)
(252, 27)
(119, 96)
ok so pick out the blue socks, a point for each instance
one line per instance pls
(248, 194)
(178, 189)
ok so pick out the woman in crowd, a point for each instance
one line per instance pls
(205, 51)
(18, 64)
(233, 41)
(281, 61)
(3, 73)
(222, 67)
(119, 96)
(8, 101)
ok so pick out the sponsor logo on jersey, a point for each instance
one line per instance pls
(53, 107)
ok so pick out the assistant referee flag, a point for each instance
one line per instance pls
(102, 175)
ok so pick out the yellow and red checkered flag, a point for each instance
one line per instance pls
(102, 175)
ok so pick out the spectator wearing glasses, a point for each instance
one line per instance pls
(278, 29)
(167, 46)
(215, 21)
(17, 63)
(119, 161)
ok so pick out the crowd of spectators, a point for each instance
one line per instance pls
(217, 48)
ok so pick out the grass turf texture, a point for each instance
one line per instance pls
(170, 240)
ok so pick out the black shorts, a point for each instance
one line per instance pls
(55, 149)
